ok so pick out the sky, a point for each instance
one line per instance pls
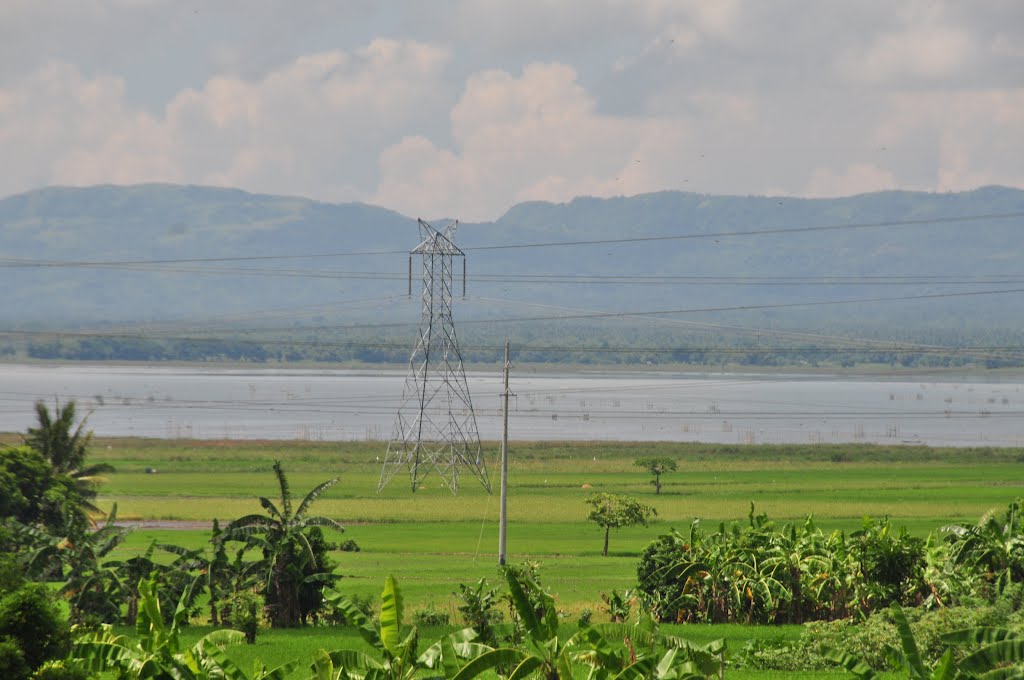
(463, 108)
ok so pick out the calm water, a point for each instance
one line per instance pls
(334, 405)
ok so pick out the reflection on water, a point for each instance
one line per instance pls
(174, 402)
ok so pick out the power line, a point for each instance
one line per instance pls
(644, 313)
(591, 279)
(761, 232)
(14, 262)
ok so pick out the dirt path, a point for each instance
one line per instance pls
(164, 524)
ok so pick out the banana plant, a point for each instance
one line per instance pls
(289, 559)
(995, 547)
(158, 654)
(1000, 652)
(90, 586)
(589, 652)
(397, 646)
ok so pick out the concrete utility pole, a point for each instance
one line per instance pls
(503, 516)
(436, 426)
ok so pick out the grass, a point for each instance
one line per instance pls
(432, 541)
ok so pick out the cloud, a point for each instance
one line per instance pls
(57, 126)
(469, 106)
(312, 127)
(929, 53)
(527, 137)
(974, 135)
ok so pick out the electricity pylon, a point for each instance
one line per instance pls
(436, 426)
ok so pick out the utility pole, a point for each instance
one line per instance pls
(503, 515)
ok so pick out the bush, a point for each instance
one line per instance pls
(478, 609)
(12, 574)
(30, 617)
(349, 545)
(431, 617)
(774, 655)
(246, 613)
(586, 616)
(870, 639)
(12, 661)
(60, 670)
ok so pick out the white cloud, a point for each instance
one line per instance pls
(535, 136)
(470, 106)
(312, 127)
(929, 53)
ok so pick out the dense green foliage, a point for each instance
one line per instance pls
(761, 573)
(32, 630)
(293, 568)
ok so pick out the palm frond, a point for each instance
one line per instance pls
(313, 495)
(286, 494)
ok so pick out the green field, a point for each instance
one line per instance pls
(432, 541)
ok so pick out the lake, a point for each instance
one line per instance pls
(187, 402)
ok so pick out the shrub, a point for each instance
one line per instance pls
(12, 661)
(30, 617)
(618, 605)
(870, 639)
(431, 617)
(586, 616)
(60, 670)
(478, 609)
(246, 613)
(12, 574)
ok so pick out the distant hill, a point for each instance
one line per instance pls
(115, 233)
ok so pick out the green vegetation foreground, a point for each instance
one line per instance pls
(438, 543)
(432, 541)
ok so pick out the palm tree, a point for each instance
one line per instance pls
(289, 559)
(65, 446)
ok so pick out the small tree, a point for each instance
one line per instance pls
(657, 466)
(613, 511)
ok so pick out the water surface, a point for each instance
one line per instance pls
(176, 402)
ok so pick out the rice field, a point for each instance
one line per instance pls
(432, 541)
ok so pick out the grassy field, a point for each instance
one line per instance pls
(432, 541)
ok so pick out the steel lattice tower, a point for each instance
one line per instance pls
(436, 426)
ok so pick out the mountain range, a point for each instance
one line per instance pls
(927, 266)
